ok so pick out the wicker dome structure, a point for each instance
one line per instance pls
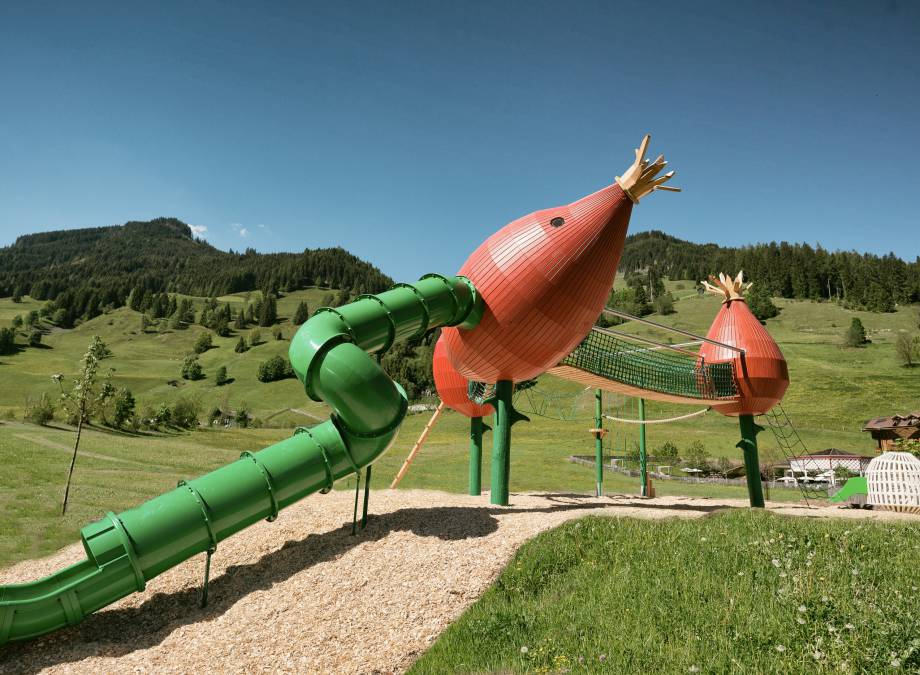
(894, 482)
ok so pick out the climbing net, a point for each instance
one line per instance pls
(481, 392)
(655, 368)
(790, 445)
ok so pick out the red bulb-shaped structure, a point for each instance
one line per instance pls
(452, 386)
(545, 279)
(761, 373)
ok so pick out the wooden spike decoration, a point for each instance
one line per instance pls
(640, 178)
(724, 285)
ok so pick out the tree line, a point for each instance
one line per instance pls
(800, 271)
(87, 271)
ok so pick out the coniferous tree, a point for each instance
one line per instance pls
(301, 314)
(269, 311)
(203, 343)
(855, 335)
(760, 303)
(7, 341)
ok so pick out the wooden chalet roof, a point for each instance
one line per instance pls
(894, 422)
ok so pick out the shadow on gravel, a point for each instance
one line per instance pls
(121, 631)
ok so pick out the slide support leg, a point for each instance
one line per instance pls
(748, 445)
(207, 575)
(367, 494)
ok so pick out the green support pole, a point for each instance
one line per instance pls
(476, 429)
(598, 442)
(505, 416)
(748, 444)
(643, 458)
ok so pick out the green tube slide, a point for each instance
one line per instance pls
(330, 355)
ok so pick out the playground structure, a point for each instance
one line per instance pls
(522, 305)
(891, 483)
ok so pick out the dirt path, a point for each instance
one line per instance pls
(48, 443)
(302, 595)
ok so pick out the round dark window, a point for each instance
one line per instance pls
(558, 221)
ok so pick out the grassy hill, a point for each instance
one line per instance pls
(146, 362)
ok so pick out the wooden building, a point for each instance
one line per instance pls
(886, 430)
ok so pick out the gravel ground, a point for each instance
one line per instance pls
(302, 595)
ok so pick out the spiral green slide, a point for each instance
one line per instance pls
(330, 354)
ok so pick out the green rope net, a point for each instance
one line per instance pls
(653, 369)
(481, 392)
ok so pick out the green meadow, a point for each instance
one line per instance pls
(834, 391)
(736, 592)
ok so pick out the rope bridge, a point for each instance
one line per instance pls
(637, 366)
(614, 361)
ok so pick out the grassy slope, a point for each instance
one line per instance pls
(737, 592)
(145, 363)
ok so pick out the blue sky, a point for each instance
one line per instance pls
(408, 132)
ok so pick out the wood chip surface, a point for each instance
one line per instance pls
(303, 595)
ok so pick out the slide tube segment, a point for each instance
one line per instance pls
(330, 355)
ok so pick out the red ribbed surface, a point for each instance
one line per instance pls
(762, 375)
(543, 286)
(452, 386)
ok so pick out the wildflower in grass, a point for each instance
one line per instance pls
(775, 562)
(895, 663)
(602, 658)
(694, 669)
(816, 655)
(803, 609)
(780, 648)
(524, 649)
(800, 620)
(850, 626)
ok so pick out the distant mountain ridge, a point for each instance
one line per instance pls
(89, 269)
(859, 280)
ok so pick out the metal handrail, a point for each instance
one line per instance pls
(624, 315)
(639, 338)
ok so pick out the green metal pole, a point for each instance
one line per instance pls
(367, 494)
(748, 444)
(501, 442)
(476, 429)
(598, 442)
(643, 458)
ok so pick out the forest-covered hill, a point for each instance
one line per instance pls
(799, 271)
(88, 270)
